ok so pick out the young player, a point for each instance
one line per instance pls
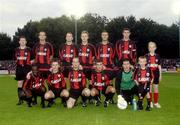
(143, 78)
(23, 64)
(86, 54)
(126, 48)
(153, 62)
(67, 52)
(34, 86)
(43, 52)
(125, 85)
(77, 85)
(100, 84)
(56, 85)
(105, 52)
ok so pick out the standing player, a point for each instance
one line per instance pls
(22, 56)
(105, 52)
(34, 86)
(153, 61)
(67, 52)
(43, 52)
(143, 78)
(100, 84)
(77, 85)
(86, 54)
(126, 48)
(56, 85)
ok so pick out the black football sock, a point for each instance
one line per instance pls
(148, 102)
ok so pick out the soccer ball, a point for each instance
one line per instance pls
(121, 103)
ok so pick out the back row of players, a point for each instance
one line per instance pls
(99, 64)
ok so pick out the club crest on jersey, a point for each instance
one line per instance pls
(108, 49)
(72, 50)
(59, 75)
(130, 46)
(45, 49)
(79, 75)
(88, 50)
(156, 60)
(25, 53)
(147, 74)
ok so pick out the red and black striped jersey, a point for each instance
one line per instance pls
(126, 49)
(34, 82)
(67, 53)
(153, 61)
(43, 52)
(86, 54)
(56, 81)
(77, 79)
(23, 56)
(143, 76)
(105, 53)
(99, 80)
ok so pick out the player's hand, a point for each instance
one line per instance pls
(32, 61)
(28, 75)
(160, 78)
(136, 82)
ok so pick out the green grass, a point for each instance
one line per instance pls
(10, 114)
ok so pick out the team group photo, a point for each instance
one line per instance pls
(80, 67)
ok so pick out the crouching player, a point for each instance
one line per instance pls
(100, 84)
(143, 78)
(34, 86)
(154, 64)
(125, 85)
(77, 85)
(56, 85)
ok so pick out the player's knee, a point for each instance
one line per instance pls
(49, 95)
(110, 89)
(86, 92)
(93, 92)
(64, 93)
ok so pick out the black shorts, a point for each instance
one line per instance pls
(128, 94)
(111, 72)
(39, 92)
(75, 93)
(66, 70)
(103, 91)
(45, 74)
(87, 72)
(142, 90)
(156, 76)
(21, 72)
(56, 92)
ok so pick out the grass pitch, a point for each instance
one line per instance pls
(169, 114)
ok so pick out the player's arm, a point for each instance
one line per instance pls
(135, 76)
(25, 84)
(83, 81)
(60, 52)
(160, 68)
(63, 81)
(51, 52)
(97, 52)
(107, 81)
(49, 81)
(134, 53)
(118, 83)
(91, 82)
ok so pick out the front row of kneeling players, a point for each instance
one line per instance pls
(132, 83)
(34, 86)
